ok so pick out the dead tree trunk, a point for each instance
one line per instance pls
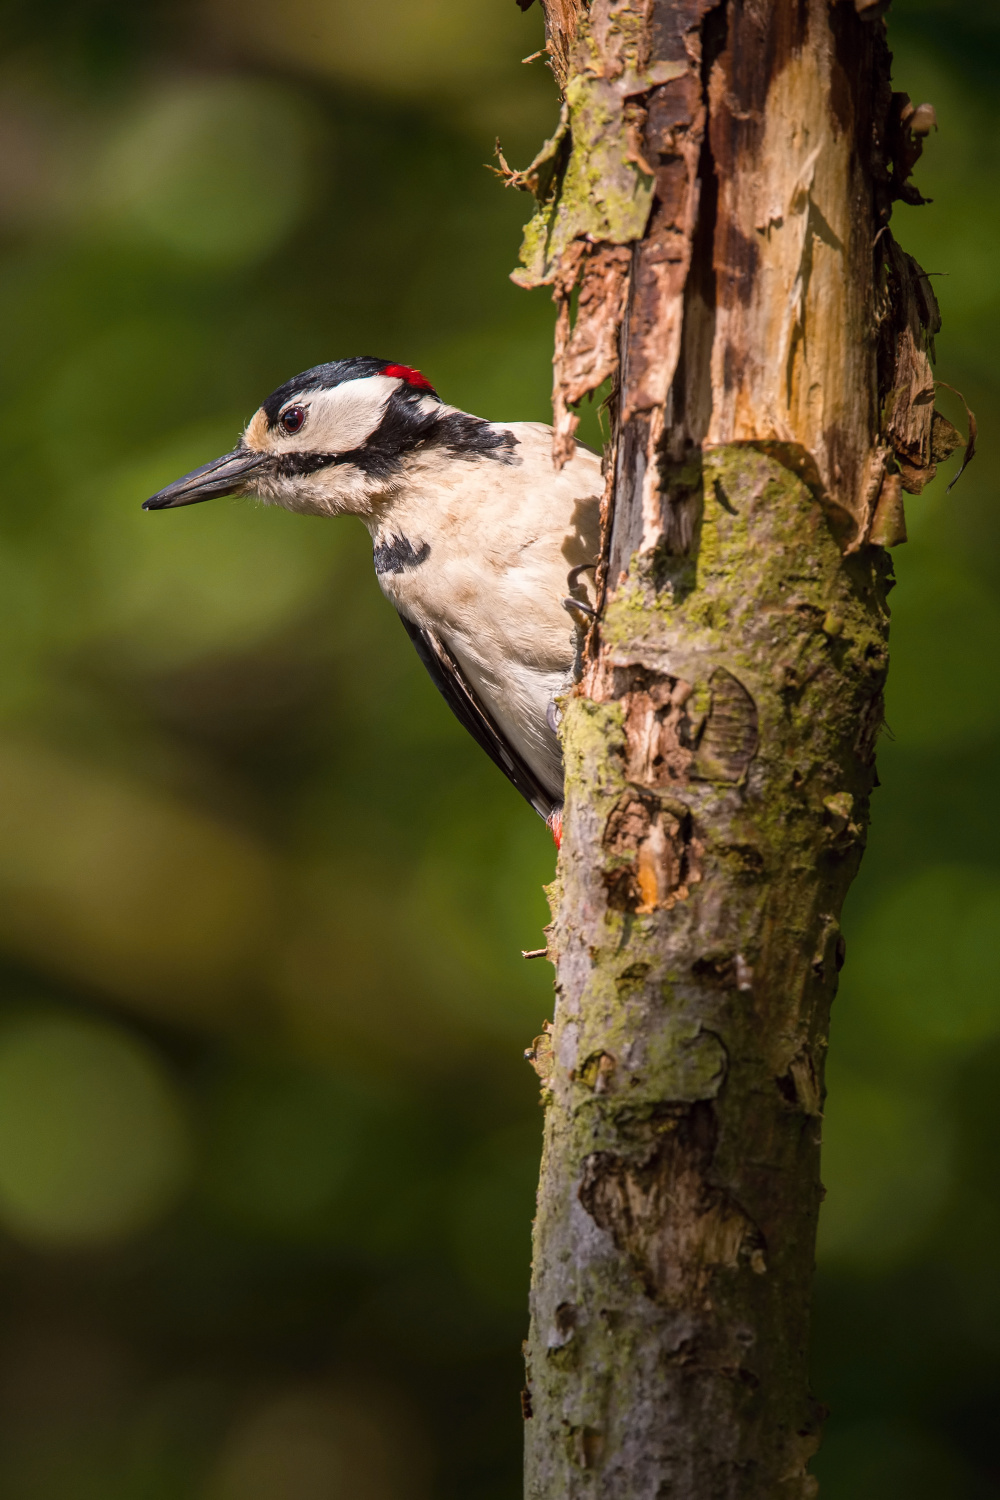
(714, 206)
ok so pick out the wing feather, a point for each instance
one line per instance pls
(469, 710)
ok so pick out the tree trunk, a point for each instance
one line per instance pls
(714, 205)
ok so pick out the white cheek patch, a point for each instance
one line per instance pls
(340, 420)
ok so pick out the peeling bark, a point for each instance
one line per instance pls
(770, 347)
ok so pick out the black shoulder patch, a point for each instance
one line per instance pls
(394, 554)
(472, 437)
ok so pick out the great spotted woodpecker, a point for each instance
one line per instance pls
(486, 550)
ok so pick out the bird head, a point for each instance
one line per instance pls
(326, 442)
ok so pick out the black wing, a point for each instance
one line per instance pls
(465, 704)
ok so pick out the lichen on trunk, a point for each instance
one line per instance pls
(770, 346)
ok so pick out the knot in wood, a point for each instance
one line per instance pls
(675, 1225)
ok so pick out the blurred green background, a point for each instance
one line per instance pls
(267, 1141)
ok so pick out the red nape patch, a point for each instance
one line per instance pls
(410, 375)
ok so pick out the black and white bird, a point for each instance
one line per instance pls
(486, 549)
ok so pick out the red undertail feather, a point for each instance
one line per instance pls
(554, 824)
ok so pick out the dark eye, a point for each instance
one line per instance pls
(292, 419)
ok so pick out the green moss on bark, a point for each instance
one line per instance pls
(696, 959)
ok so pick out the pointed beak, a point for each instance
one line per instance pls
(223, 476)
